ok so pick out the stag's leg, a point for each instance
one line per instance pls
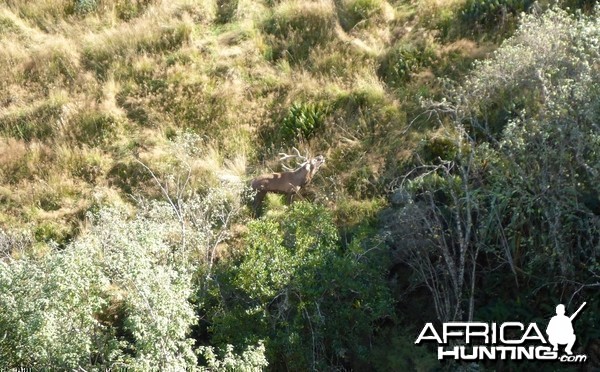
(289, 198)
(258, 199)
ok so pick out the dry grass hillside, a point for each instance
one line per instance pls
(91, 87)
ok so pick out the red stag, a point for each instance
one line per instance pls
(288, 183)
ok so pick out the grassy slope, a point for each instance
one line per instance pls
(88, 87)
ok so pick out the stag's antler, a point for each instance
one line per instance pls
(283, 157)
(288, 183)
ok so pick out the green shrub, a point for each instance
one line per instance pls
(302, 122)
(520, 76)
(300, 292)
(485, 15)
(118, 296)
(252, 359)
(47, 309)
(351, 213)
(51, 232)
(403, 60)
(517, 194)
(85, 6)
(436, 149)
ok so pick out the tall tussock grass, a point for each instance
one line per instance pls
(296, 27)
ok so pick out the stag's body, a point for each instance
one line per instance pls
(287, 183)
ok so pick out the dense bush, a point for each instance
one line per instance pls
(485, 15)
(315, 305)
(524, 194)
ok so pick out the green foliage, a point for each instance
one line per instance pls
(490, 212)
(252, 359)
(118, 296)
(47, 312)
(52, 232)
(541, 56)
(437, 149)
(301, 292)
(302, 122)
(61, 296)
(485, 15)
(362, 182)
(85, 6)
(403, 60)
(398, 352)
(352, 213)
(585, 5)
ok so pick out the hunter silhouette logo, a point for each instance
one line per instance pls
(508, 340)
(560, 329)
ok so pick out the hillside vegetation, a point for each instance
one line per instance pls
(462, 179)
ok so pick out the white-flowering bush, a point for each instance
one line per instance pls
(118, 296)
(546, 53)
(252, 359)
(47, 311)
(137, 258)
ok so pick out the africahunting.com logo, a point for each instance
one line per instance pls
(509, 340)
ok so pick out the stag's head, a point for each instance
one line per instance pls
(316, 163)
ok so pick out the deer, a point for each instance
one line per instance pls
(288, 183)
